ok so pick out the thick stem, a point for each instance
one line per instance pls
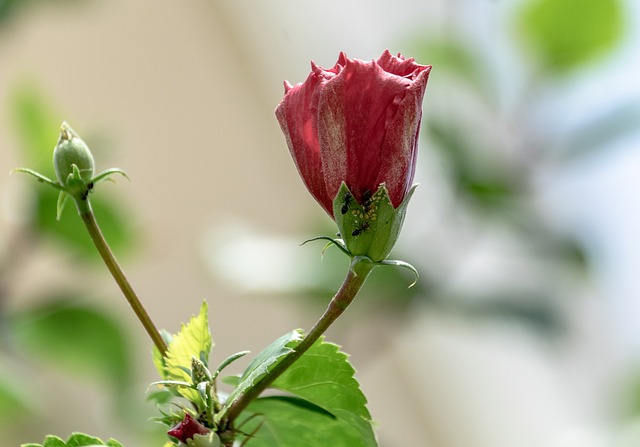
(84, 208)
(358, 272)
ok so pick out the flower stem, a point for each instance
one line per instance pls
(84, 208)
(358, 272)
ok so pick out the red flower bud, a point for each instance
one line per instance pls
(187, 429)
(357, 123)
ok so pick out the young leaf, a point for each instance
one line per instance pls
(75, 440)
(264, 362)
(82, 440)
(193, 340)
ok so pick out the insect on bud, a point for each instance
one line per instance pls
(72, 150)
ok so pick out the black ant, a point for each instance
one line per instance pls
(345, 203)
(366, 198)
(364, 226)
(87, 191)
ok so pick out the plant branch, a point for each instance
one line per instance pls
(84, 208)
(358, 272)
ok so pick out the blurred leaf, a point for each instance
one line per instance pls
(193, 340)
(325, 379)
(70, 229)
(36, 124)
(487, 186)
(600, 132)
(81, 339)
(567, 33)
(38, 128)
(8, 8)
(264, 362)
(450, 57)
(13, 403)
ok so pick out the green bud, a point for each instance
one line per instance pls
(372, 227)
(199, 372)
(69, 152)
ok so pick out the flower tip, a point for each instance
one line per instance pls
(287, 87)
(66, 132)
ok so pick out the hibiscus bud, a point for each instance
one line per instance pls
(356, 123)
(187, 429)
(72, 151)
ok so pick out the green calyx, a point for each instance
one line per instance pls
(368, 230)
(74, 167)
(372, 227)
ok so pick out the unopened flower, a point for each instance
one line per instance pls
(353, 133)
(187, 429)
(71, 151)
(357, 123)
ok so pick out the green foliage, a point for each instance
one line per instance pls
(193, 340)
(75, 440)
(80, 338)
(567, 33)
(331, 409)
(265, 362)
(13, 404)
(37, 125)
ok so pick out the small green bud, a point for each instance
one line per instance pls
(69, 152)
(199, 372)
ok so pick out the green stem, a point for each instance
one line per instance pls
(84, 208)
(358, 272)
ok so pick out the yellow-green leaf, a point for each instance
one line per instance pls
(193, 340)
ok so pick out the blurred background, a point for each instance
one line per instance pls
(523, 329)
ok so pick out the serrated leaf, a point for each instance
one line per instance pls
(324, 377)
(336, 414)
(278, 423)
(75, 440)
(53, 441)
(82, 440)
(193, 340)
(264, 362)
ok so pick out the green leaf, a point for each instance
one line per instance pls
(193, 340)
(13, 401)
(278, 423)
(455, 60)
(70, 230)
(77, 337)
(263, 363)
(81, 440)
(324, 377)
(331, 409)
(75, 440)
(567, 33)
